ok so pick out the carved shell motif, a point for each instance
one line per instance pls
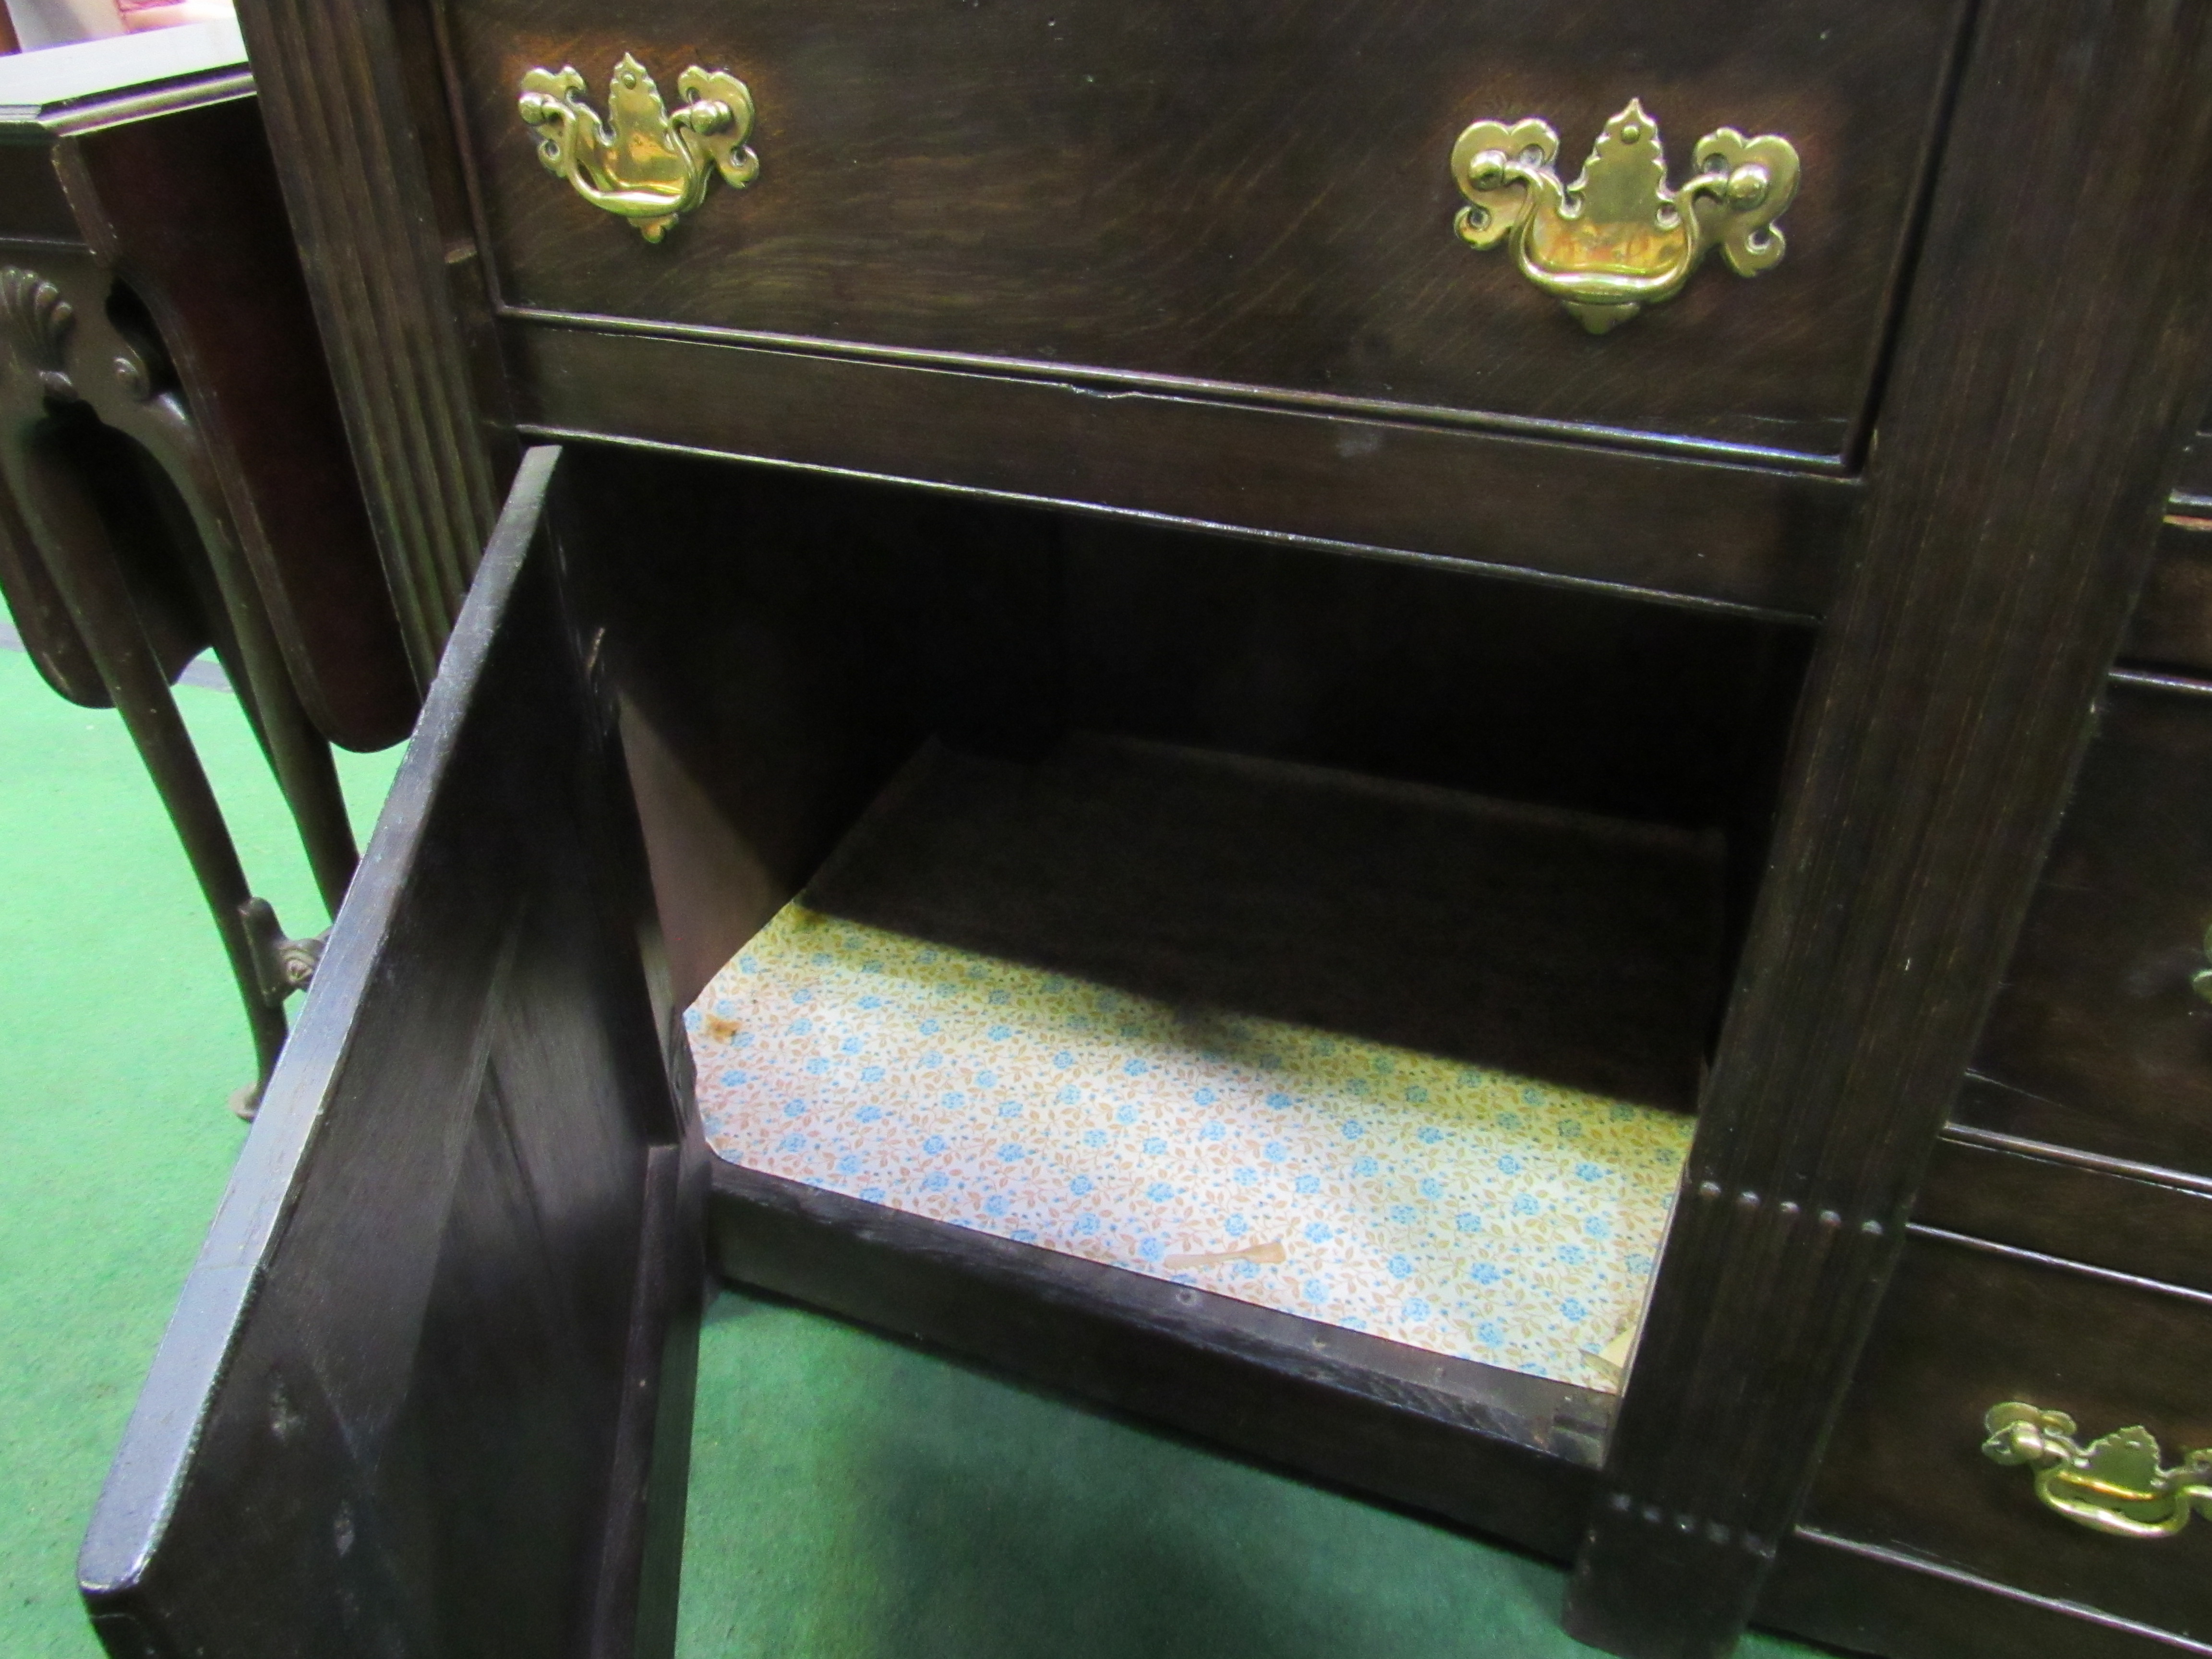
(37, 320)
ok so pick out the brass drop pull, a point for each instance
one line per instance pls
(645, 164)
(2201, 981)
(1617, 239)
(2116, 1484)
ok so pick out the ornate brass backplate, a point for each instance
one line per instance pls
(1617, 239)
(2116, 1484)
(646, 163)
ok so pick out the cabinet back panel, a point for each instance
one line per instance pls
(1540, 694)
(836, 624)
(786, 642)
(1581, 951)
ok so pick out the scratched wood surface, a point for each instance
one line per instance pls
(1253, 193)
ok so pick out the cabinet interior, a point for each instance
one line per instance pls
(1342, 934)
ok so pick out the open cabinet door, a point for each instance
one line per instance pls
(428, 1388)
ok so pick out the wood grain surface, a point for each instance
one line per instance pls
(2172, 631)
(2056, 1201)
(1250, 195)
(1859, 1597)
(2098, 1040)
(1757, 538)
(351, 94)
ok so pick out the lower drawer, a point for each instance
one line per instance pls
(2099, 1040)
(1967, 1326)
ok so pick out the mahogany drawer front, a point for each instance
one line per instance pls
(2097, 1040)
(1253, 200)
(1965, 1327)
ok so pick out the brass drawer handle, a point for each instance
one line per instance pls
(654, 166)
(2116, 1484)
(1617, 239)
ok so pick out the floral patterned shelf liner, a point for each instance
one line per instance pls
(1466, 1212)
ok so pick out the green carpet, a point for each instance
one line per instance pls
(851, 1498)
(121, 1039)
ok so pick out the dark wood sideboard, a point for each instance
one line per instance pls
(978, 387)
